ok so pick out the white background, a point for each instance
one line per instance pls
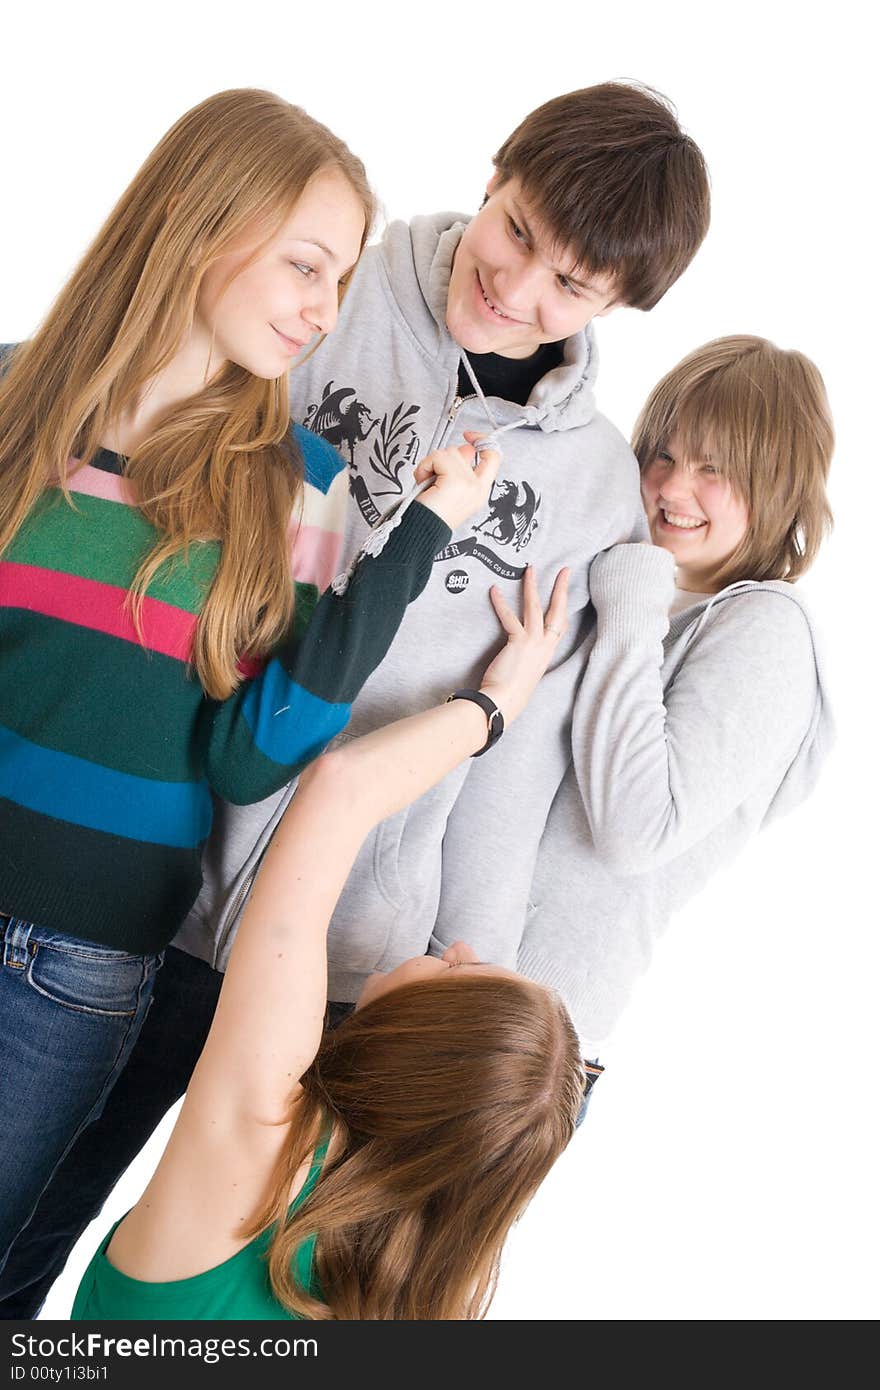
(727, 1168)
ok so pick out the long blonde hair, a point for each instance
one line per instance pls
(450, 1099)
(220, 465)
(764, 414)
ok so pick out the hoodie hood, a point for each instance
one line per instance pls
(563, 399)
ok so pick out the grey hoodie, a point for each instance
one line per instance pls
(383, 390)
(690, 735)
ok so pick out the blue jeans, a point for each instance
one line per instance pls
(157, 1074)
(70, 1013)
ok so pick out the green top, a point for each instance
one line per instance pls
(238, 1288)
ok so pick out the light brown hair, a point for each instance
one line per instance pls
(762, 414)
(614, 177)
(451, 1099)
(220, 465)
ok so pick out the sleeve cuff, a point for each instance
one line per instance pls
(419, 537)
(632, 588)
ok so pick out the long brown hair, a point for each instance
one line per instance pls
(218, 466)
(614, 176)
(450, 1099)
(763, 414)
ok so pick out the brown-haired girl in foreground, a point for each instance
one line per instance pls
(423, 1126)
(702, 715)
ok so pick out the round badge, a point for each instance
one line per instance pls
(457, 581)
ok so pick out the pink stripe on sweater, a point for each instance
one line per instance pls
(250, 666)
(94, 482)
(314, 554)
(314, 557)
(89, 603)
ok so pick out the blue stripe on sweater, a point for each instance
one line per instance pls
(84, 793)
(321, 462)
(289, 724)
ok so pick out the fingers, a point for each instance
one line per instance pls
(506, 616)
(440, 461)
(424, 470)
(535, 623)
(473, 437)
(556, 617)
(511, 678)
(534, 620)
(488, 463)
(533, 616)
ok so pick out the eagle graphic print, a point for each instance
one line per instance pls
(381, 453)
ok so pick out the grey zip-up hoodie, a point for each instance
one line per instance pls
(383, 389)
(691, 734)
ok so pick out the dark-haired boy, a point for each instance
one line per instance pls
(598, 199)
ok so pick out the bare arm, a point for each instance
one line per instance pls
(268, 1023)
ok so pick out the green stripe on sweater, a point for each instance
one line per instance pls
(85, 693)
(107, 541)
(81, 686)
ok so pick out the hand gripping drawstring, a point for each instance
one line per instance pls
(378, 537)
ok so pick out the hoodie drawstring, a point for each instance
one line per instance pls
(381, 532)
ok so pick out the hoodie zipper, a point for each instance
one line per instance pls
(232, 914)
(457, 403)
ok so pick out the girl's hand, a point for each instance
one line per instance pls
(459, 489)
(511, 679)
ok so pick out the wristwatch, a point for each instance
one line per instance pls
(491, 711)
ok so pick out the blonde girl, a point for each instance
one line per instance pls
(165, 539)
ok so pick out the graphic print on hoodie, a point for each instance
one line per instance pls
(381, 453)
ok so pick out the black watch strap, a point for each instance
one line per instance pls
(491, 711)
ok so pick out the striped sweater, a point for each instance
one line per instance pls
(109, 748)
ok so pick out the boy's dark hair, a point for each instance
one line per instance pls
(613, 175)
